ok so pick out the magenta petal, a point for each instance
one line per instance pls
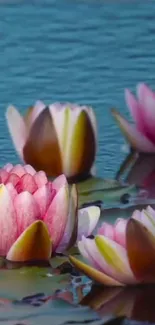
(136, 139)
(27, 210)
(40, 179)
(135, 110)
(13, 179)
(57, 216)
(27, 183)
(8, 224)
(147, 101)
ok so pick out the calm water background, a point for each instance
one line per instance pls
(81, 51)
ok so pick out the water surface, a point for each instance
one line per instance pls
(80, 51)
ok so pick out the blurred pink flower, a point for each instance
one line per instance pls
(141, 136)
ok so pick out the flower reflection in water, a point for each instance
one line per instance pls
(139, 169)
(135, 303)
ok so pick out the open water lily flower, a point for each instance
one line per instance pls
(121, 254)
(38, 217)
(141, 136)
(59, 139)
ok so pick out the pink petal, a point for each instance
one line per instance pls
(57, 215)
(147, 218)
(151, 211)
(59, 182)
(33, 244)
(18, 170)
(8, 224)
(8, 167)
(87, 220)
(120, 231)
(84, 253)
(135, 110)
(136, 139)
(40, 179)
(13, 179)
(137, 215)
(17, 129)
(98, 261)
(50, 186)
(27, 210)
(3, 175)
(88, 249)
(107, 230)
(27, 183)
(44, 197)
(29, 169)
(70, 233)
(37, 109)
(147, 101)
(115, 259)
(12, 191)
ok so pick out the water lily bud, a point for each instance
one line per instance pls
(58, 139)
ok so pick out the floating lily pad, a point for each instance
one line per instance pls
(114, 194)
(96, 184)
(16, 284)
(58, 261)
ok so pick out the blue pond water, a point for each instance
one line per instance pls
(82, 51)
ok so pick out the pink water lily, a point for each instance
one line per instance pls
(64, 128)
(123, 253)
(38, 217)
(141, 136)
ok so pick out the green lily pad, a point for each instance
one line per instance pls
(16, 284)
(113, 194)
(96, 184)
(58, 261)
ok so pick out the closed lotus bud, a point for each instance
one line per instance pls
(58, 139)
